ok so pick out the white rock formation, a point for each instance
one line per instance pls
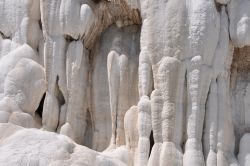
(138, 82)
(36, 147)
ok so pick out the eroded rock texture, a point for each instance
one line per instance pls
(125, 82)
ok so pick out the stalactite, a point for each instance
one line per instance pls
(140, 83)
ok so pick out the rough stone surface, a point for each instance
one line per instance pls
(124, 82)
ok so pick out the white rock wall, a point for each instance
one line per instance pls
(143, 82)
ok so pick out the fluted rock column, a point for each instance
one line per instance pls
(77, 81)
(117, 76)
(156, 116)
(144, 130)
(131, 133)
(204, 31)
(56, 81)
(67, 77)
(225, 132)
(226, 138)
(211, 125)
(168, 75)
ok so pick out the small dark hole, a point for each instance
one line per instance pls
(152, 142)
(40, 24)
(39, 110)
(96, 1)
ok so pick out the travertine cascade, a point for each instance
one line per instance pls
(125, 82)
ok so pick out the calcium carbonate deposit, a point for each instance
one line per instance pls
(124, 82)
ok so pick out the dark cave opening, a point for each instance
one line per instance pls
(96, 1)
(39, 110)
(152, 142)
(59, 93)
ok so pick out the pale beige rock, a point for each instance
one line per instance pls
(131, 133)
(156, 115)
(36, 147)
(4, 116)
(122, 63)
(77, 74)
(244, 150)
(150, 82)
(144, 129)
(239, 16)
(9, 61)
(22, 119)
(25, 84)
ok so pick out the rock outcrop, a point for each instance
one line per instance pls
(125, 82)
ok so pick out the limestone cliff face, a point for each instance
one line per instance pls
(125, 82)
